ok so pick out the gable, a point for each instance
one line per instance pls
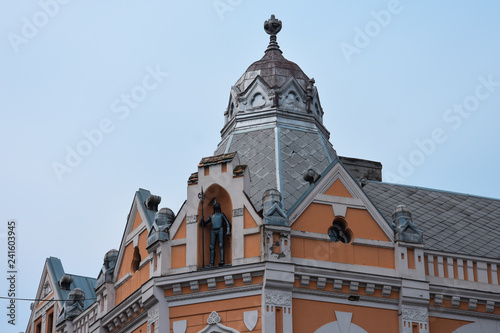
(338, 189)
(337, 195)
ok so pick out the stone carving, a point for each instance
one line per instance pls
(247, 278)
(472, 304)
(337, 284)
(455, 301)
(438, 300)
(228, 279)
(413, 315)
(153, 315)
(490, 306)
(370, 288)
(177, 288)
(194, 286)
(304, 281)
(213, 319)
(212, 283)
(250, 319)
(278, 299)
(353, 288)
(238, 212)
(386, 291)
(191, 219)
(321, 283)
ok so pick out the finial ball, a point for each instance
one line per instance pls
(272, 26)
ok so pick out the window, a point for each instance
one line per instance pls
(136, 259)
(339, 232)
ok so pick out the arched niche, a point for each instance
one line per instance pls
(218, 193)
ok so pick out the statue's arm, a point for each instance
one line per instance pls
(228, 225)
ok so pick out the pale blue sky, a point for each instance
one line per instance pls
(69, 74)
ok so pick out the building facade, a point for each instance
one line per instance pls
(279, 234)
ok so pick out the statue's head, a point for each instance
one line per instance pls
(216, 207)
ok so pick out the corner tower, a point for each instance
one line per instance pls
(274, 120)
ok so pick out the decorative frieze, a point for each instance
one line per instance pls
(438, 300)
(192, 219)
(123, 318)
(278, 299)
(415, 315)
(238, 212)
(353, 288)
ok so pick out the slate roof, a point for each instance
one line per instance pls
(87, 284)
(299, 150)
(143, 195)
(217, 159)
(451, 222)
(274, 69)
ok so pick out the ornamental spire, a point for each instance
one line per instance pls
(272, 27)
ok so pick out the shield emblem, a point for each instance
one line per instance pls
(250, 318)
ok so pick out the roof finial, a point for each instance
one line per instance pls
(272, 27)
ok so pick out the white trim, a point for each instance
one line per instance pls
(359, 200)
(122, 280)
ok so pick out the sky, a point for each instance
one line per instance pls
(98, 99)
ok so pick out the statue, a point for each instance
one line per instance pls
(217, 220)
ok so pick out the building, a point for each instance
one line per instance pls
(55, 287)
(316, 243)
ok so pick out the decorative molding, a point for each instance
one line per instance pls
(194, 286)
(414, 315)
(329, 295)
(177, 289)
(455, 301)
(321, 283)
(212, 283)
(213, 319)
(386, 291)
(353, 288)
(228, 279)
(238, 212)
(278, 299)
(490, 306)
(247, 278)
(191, 219)
(337, 284)
(472, 304)
(304, 281)
(213, 293)
(370, 289)
(153, 314)
(438, 300)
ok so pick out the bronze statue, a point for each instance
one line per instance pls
(217, 219)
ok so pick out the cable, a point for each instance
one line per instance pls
(40, 300)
